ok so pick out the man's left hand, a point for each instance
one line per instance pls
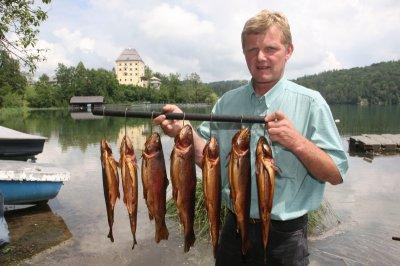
(281, 130)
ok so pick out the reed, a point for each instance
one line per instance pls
(201, 224)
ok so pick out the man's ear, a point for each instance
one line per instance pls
(289, 51)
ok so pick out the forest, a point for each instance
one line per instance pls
(68, 81)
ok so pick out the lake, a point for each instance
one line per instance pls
(366, 203)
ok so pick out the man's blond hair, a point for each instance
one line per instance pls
(261, 22)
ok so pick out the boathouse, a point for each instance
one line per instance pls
(81, 103)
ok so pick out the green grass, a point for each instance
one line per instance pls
(201, 225)
(319, 220)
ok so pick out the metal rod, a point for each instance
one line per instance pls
(112, 111)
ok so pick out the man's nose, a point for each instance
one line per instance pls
(261, 56)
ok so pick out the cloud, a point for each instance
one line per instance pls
(188, 36)
(173, 22)
(72, 40)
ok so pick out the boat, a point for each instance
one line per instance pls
(24, 183)
(14, 143)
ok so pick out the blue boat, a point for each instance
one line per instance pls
(30, 183)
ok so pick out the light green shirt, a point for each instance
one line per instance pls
(296, 190)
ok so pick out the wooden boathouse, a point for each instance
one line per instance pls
(81, 103)
(374, 143)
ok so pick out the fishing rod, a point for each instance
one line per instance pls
(126, 112)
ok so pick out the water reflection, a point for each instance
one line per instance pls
(32, 230)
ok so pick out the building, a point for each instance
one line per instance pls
(81, 103)
(130, 68)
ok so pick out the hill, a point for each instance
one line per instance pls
(377, 84)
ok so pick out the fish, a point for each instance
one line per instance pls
(265, 176)
(183, 177)
(155, 183)
(240, 183)
(109, 167)
(211, 169)
(128, 165)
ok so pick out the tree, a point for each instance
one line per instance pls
(19, 24)
(12, 82)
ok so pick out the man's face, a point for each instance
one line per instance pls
(266, 56)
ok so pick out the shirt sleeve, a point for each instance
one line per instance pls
(324, 133)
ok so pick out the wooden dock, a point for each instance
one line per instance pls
(374, 143)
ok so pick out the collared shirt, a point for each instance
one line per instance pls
(296, 190)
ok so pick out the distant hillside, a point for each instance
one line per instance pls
(220, 87)
(375, 84)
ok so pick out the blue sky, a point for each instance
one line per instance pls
(204, 36)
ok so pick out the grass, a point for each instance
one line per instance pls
(319, 220)
(201, 225)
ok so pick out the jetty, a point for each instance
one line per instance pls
(374, 143)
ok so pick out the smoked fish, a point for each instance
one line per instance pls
(211, 169)
(265, 175)
(155, 183)
(183, 177)
(109, 169)
(128, 167)
(240, 182)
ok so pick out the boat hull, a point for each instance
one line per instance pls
(28, 192)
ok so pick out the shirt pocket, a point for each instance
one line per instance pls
(287, 162)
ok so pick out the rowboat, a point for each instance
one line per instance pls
(30, 183)
(14, 143)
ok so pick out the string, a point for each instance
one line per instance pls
(151, 122)
(126, 109)
(183, 121)
(211, 125)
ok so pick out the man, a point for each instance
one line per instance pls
(305, 142)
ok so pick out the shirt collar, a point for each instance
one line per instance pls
(270, 96)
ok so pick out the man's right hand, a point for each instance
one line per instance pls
(170, 127)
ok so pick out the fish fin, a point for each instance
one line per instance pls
(189, 241)
(151, 217)
(161, 233)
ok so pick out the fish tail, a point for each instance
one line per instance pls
(110, 235)
(245, 246)
(134, 241)
(161, 232)
(189, 240)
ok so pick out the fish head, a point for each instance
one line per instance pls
(263, 148)
(104, 146)
(126, 146)
(185, 136)
(212, 148)
(153, 143)
(242, 139)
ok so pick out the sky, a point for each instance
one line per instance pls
(190, 36)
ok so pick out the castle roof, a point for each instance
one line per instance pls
(129, 54)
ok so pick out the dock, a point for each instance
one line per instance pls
(375, 143)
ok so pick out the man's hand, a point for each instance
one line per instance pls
(281, 130)
(317, 161)
(170, 127)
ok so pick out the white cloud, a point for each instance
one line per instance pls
(173, 22)
(204, 36)
(72, 40)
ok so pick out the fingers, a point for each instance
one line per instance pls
(275, 116)
(159, 119)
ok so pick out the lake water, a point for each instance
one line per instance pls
(366, 203)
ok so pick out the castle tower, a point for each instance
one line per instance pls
(130, 68)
